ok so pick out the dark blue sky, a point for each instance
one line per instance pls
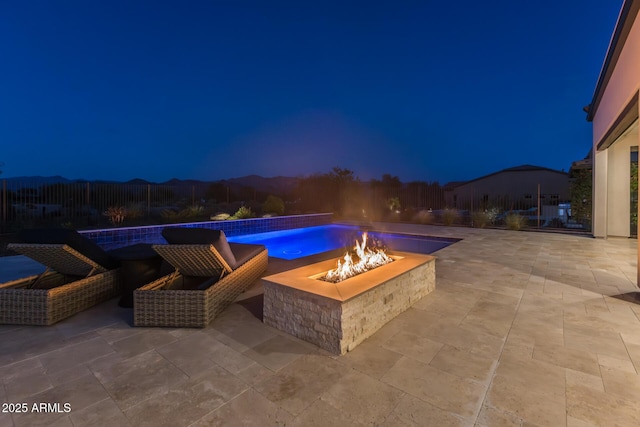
(425, 90)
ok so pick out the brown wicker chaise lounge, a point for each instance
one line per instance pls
(210, 274)
(79, 275)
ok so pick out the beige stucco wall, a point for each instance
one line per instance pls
(611, 166)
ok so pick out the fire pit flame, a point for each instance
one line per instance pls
(367, 259)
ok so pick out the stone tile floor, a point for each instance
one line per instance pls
(524, 329)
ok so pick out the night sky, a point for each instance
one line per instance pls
(424, 90)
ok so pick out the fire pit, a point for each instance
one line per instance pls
(339, 316)
(364, 259)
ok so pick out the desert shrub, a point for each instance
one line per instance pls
(515, 221)
(273, 205)
(135, 210)
(492, 215)
(450, 216)
(423, 217)
(393, 203)
(242, 213)
(195, 210)
(170, 215)
(220, 217)
(116, 214)
(479, 219)
(184, 214)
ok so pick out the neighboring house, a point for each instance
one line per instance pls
(614, 113)
(512, 188)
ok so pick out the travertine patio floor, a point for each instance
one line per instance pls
(524, 329)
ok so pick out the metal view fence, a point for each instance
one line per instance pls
(95, 204)
(523, 207)
(26, 204)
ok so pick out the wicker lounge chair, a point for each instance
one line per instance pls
(79, 275)
(210, 274)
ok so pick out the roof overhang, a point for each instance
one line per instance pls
(626, 19)
(628, 116)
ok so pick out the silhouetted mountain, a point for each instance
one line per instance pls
(39, 180)
(176, 181)
(280, 185)
(137, 181)
(246, 186)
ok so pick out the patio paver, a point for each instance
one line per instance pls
(523, 329)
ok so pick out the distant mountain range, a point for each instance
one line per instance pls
(279, 185)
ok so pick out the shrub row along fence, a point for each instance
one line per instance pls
(98, 205)
(535, 207)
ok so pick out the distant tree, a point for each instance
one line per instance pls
(581, 197)
(391, 182)
(388, 183)
(341, 176)
(345, 188)
(273, 205)
(217, 191)
(329, 192)
(383, 191)
(311, 193)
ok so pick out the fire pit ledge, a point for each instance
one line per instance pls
(337, 317)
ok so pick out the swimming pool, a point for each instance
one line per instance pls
(301, 242)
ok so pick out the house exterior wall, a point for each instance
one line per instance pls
(611, 203)
(623, 85)
(514, 184)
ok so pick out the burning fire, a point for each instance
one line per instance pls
(367, 259)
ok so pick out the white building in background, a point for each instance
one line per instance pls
(614, 113)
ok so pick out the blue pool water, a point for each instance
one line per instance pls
(302, 242)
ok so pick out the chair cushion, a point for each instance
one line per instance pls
(244, 252)
(201, 236)
(71, 238)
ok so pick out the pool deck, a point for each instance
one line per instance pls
(523, 329)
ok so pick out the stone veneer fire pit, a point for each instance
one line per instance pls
(339, 316)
